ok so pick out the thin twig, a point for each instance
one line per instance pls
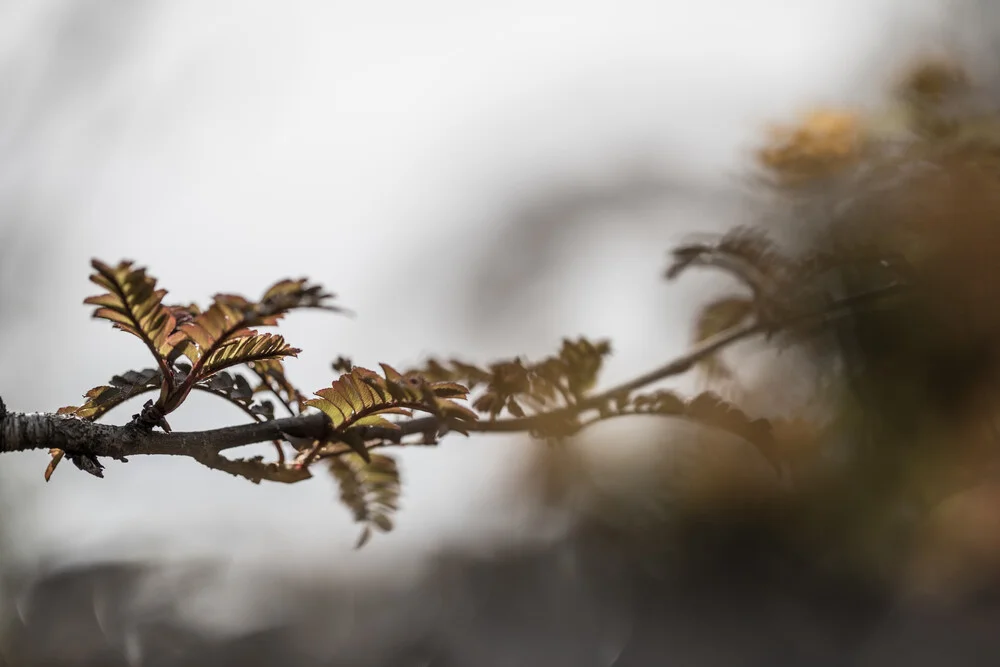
(277, 394)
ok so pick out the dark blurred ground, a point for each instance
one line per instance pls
(589, 601)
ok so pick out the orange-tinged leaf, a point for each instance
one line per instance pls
(100, 400)
(115, 316)
(213, 328)
(825, 142)
(391, 373)
(361, 397)
(106, 300)
(361, 393)
(57, 456)
(133, 304)
(231, 319)
(246, 350)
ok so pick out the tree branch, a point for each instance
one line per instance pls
(20, 432)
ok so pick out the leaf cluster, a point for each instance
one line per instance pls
(520, 388)
(358, 402)
(193, 348)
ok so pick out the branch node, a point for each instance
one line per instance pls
(150, 416)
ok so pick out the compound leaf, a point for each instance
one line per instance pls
(362, 397)
(100, 400)
(256, 347)
(370, 490)
(286, 295)
(559, 380)
(133, 304)
(237, 390)
(359, 394)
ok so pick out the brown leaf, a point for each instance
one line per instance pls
(258, 347)
(100, 400)
(57, 456)
(370, 490)
(133, 304)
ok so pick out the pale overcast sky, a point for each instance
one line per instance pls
(375, 147)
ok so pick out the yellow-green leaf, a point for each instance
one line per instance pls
(133, 304)
(245, 350)
(362, 393)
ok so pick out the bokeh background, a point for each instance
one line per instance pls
(472, 179)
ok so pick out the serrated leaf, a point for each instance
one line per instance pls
(370, 490)
(236, 389)
(287, 295)
(245, 350)
(121, 388)
(456, 415)
(379, 421)
(515, 386)
(212, 328)
(362, 397)
(133, 304)
(231, 319)
(272, 375)
(359, 394)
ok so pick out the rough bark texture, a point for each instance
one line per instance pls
(79, 437)
(19, 432)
